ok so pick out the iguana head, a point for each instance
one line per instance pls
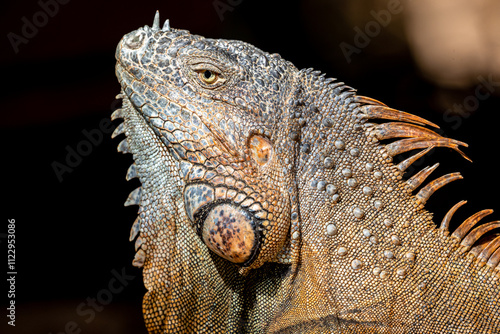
(192, 93)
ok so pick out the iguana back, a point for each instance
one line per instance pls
(270, 202)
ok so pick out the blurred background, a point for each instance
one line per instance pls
(437, 59)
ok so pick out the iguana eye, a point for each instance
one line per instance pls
(208, 73)
(208, 77)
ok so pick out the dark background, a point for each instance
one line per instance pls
(71, 234)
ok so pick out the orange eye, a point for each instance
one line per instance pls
(261, 149)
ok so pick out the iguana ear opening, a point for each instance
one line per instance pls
(261, 149)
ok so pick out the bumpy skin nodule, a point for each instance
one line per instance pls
(269, 204)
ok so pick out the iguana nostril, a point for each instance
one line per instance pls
(135, 40)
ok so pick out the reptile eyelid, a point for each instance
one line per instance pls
(205, 66)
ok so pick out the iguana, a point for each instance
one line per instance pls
(270, 202)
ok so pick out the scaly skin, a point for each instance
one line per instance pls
(270, 204)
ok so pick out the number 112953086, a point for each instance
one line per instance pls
(11, 245)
